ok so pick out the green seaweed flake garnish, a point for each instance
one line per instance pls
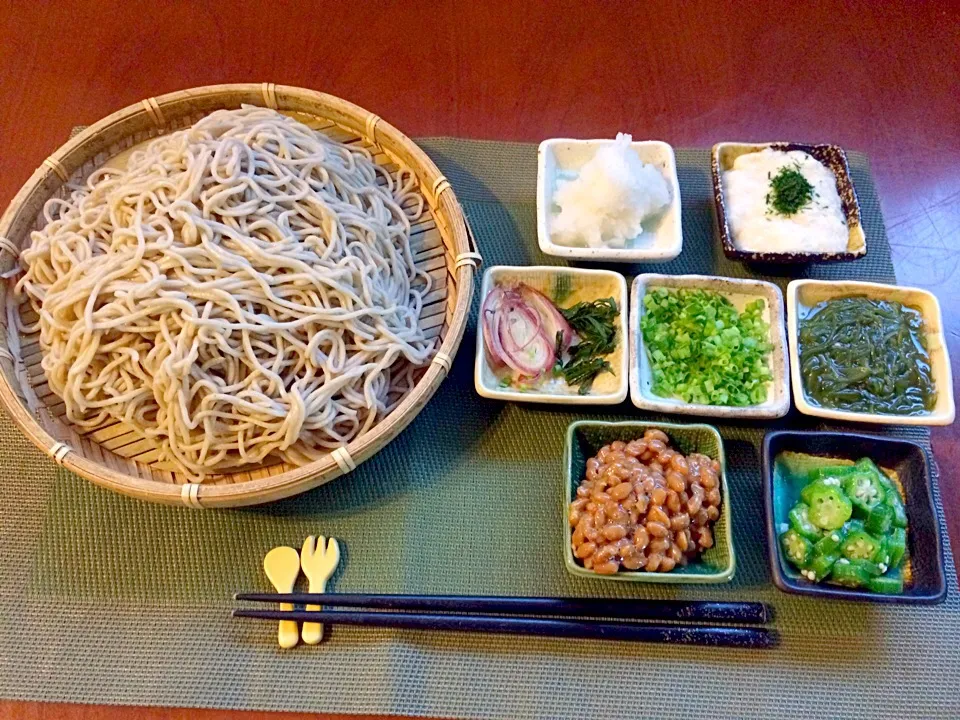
(702, 350)
(790, 191)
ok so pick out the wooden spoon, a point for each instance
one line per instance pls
(282, 565)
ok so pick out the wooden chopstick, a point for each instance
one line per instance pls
(543, 627)
(708, 611)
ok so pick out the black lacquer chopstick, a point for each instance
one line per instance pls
(739, 612)
(543, 627)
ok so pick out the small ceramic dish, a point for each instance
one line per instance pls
(802, 295)
(584, 440)
(559, 156)
(583, 285)
(739, 292)
(832, 157)
(927, 584)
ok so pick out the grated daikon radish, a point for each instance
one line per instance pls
(605, 204)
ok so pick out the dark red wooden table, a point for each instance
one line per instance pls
(871, 76)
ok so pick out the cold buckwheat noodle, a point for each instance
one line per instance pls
(244, 288)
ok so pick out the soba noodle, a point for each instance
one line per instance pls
(244, 288)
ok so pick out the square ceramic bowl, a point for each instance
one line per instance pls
(560, 156)
(584, 440)
(740, 293)
(784, 478)
(832, 157)
(583, 285)
(802, 295)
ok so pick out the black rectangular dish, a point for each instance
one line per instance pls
(833, 158)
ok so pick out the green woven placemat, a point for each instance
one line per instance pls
(110, 600)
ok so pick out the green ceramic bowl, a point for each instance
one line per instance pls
(586, 437)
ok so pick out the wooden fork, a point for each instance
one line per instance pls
(318, 560)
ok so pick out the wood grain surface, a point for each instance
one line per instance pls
(871, 76)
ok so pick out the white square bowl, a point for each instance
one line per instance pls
(560, 155)
(740, 292)
(587, 285)
(804, 294)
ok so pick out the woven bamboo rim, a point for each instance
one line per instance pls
(109, 456)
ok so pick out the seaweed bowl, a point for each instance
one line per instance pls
(787, 453)
(803, 295)
(584, 440)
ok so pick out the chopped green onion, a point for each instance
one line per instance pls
(702, 350)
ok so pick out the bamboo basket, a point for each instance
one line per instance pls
(112, 455)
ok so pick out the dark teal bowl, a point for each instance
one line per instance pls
(584, 440)
(924, 550)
